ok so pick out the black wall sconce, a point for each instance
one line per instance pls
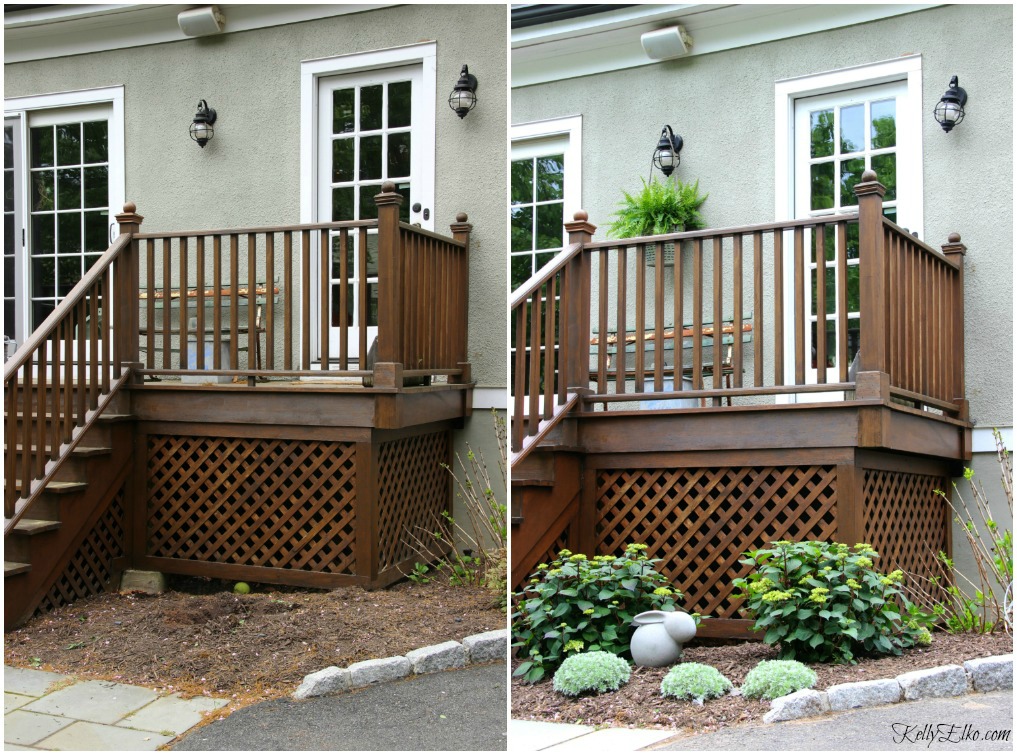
(464, 95)
(950, 108)
(667, 155)
(201, 128)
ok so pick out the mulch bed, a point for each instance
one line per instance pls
(200, 638)
(640, 704)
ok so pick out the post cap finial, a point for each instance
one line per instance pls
(130, 207)
(954, 238)
(388, 187)
(461, 217)
(869, 175)
(581, 215)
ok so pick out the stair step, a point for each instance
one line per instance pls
(13, 567)
(35, 526)
(59, 487)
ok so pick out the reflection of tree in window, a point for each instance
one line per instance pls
(536, 214)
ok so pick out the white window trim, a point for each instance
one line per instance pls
(425, 53)
(570, 127)
(21, 107)
(909, 118)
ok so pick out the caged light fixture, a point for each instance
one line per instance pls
(201, 127)
(667, 155)
(464, 95)
(949, 110)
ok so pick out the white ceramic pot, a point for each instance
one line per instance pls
(659, 637)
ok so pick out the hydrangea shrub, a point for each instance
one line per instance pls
(577, 604)
(824, 602)
(596, 671)
(772, 679)
(694, 681)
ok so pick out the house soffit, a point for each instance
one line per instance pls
(53, 31)
(610, 41)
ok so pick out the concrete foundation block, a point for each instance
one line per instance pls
(487, 646)
(941, 681)
(149, 582)
(863, 694)
(988, 674)
(800, 704)
(379, 670)
(434, 658)
(324, 682)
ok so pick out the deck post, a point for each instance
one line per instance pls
(126, 287)
(873, 292)
(954, 251)
(391, 289)
(461, 230)
(576, 302)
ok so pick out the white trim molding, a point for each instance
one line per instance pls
(490, 398)
(610, 41)
(983, 442)
(570, 128)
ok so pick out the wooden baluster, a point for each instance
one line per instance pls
(26, 425)
(252, 304)
(778, 307)
(842, 303)
(799, 305)
(83, 362)
(697, 314)
(150, 305)
(69, 381)
(893, 246)
(305, 299)
(287, 298)
(620, 367)
(679, 319)
(182, 282)
(324, 296)
(344, 279)
(99, 356)
(718, 317)
(820, 257)
(234, 301)
(658, 321)
(58, 388)
(757, 309)
(217, 303)
(549, 307)
(167, 303)
(518, 420)
(270, 301)
(199, 304)
(362, 308)
(11, 454)
(42, 407)
(736, 353)
(533, 415)
(602, 305)
(640, 318)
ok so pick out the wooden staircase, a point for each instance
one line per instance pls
(43, 551)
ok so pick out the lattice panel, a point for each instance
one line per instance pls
(285, 504)
(90, 570)
(559, 545)
(905, 521)
(701, 521)
(413, 491)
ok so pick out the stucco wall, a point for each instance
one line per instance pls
(249, 174)
(723, 106)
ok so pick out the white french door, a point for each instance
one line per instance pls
(372, 127)
(837, 137)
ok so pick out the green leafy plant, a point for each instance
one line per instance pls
(772, 679)
(576, 604)
(419, 573)
(825, 602)
(596, 671)
(659, 207)
(977, 603)
(694, 681)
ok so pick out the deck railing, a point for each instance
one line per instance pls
(751, 313)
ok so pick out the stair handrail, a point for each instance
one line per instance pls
(111, 280)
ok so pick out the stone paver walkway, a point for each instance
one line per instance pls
(47, 711)
(533, 736)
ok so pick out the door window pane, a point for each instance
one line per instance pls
(852, 129)
(343, 111)
(850, 174)
(370, 158)
(884, 124)
(97, 186)
(96, 137)
(822, 186)
(549, 226)
(68, 144)
(522, 181)
(399, 155)
(822, 133)
(370, 107)
(69, 189)
(342, 203)
(42, 147)
(399, 104)
(342, 160)
(550, 177)
(886, 169)
(522, 229)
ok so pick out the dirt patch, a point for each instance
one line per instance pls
(640, 704)
(200, 638)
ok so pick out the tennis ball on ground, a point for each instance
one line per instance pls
(241, 588)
